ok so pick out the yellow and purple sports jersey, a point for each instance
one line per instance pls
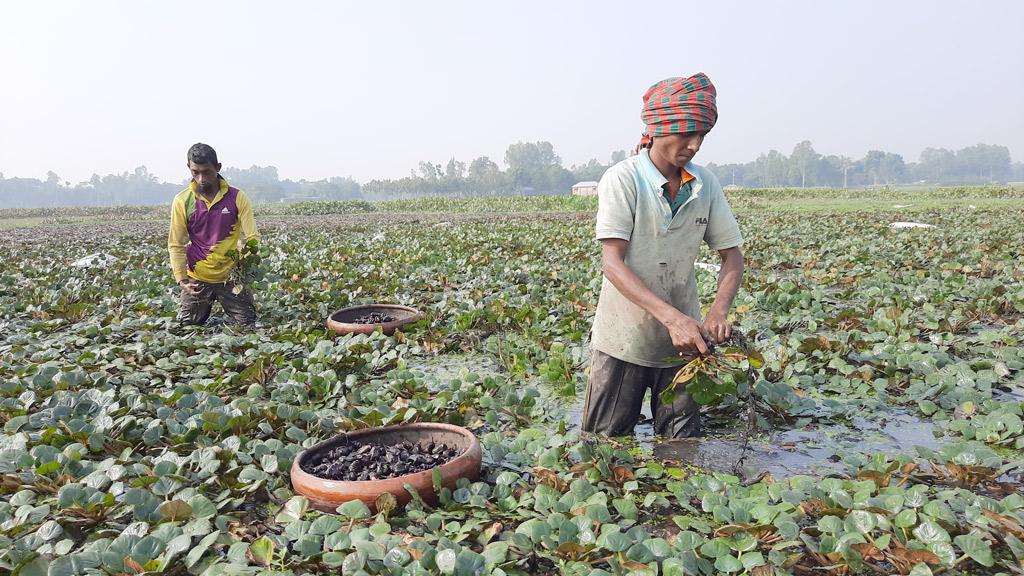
(202, 232)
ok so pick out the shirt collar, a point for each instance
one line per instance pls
(220, 193)
(655, 177)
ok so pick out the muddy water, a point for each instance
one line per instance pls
(817, 450)
(1009, 393)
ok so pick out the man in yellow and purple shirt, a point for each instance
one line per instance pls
(208, 219)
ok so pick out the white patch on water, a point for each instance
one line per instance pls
(910, 225)
(97, 260)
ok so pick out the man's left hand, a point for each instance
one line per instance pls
(717, 325)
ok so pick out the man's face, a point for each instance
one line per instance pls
(679, 149)
(205, 177)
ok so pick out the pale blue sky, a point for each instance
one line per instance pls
(342, 88)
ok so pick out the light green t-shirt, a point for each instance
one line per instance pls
(662, 250)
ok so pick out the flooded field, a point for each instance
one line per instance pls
(887, 396)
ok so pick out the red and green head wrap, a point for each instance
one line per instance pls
(679, 106)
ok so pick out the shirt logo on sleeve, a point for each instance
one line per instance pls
(701, 221)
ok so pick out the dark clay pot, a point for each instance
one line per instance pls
(341, 321)
(327, 495)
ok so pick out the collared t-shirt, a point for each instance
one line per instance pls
(203, 232)
(662, 250)
(682, 195)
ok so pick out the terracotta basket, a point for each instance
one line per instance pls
(327, 495)
(341, 321)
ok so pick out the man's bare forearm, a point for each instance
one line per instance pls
(729, 278)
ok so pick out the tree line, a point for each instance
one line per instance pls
(531, 168)
(804, 167)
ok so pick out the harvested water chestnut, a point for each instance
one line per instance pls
(353, 460)
(374, 318)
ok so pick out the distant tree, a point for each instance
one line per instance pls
(430, 172)
(827, 172)
(455, 169)
(984, 163)
(835, 171)
(771, 169)
(936, 165)
(592, 170)
(883, 167)
(733, 174)
(531, 156)
(805, 161)
(254, 175)
(482, 168)
(334, 188)
(1017, 172)
(535, 165)
(484, 175)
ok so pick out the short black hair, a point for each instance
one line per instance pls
(201, 153)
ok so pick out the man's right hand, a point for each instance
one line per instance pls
(688, 336)
(188, 284)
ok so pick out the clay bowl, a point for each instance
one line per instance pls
(327, 495)
(341, 321)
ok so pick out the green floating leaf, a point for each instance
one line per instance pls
(976, 548)
(715, 548)
(535, 529)
(614, 541)
(741, 542)
(728, 564)
(496, 553)
(354, 509)
(1016, 547)
(353, 563)
(860, 521)
(324, 525)
(36, 567)
(49, 530)
(261, 551)
(906, 518)
(379, 530)
(445, 561)
(752, 560)
(920, 569)
(194, 555)
(929, 532)
(176, 546)
(202, 507)
(292, 510)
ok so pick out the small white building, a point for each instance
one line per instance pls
(588, 188)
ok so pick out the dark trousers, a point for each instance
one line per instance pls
(197, 302)
(615, 395)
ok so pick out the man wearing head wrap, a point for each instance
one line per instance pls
(655, 209)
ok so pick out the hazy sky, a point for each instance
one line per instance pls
(368, 90)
